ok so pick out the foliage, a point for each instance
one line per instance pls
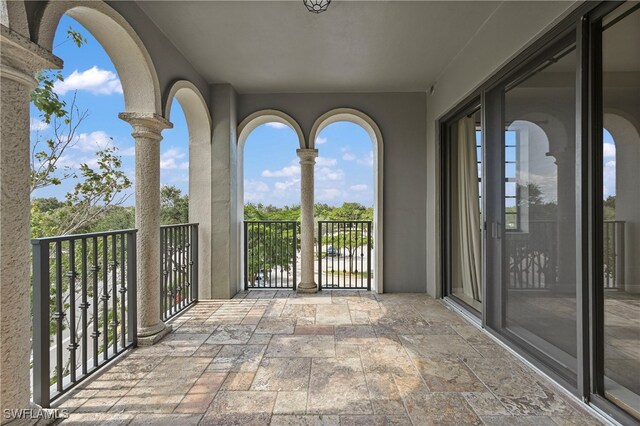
(174, 206)
(97, 188)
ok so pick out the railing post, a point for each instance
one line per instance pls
(196, 261)
(295, 255)
(132, 287)
(619, 255)
(41, 318)
(246, 256)
(369, 256)
(319, 255)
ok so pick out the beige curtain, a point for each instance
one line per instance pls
(468, 236)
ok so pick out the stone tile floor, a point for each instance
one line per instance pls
(340, 357)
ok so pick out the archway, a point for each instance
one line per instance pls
(198, 122)
(372, 129)
(131, 59)
(276, 120)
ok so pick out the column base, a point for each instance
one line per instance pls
(307, 288)
(151, 335)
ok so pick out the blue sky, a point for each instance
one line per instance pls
(343, 172)
(344, 169)
(89, 70)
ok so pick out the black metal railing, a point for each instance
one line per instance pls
(84, 307)
(532, 256)
(270, 254)
(614, 255)
(179, 268)
(344, 254)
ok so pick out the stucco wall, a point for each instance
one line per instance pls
(512, 27)
(400, 117)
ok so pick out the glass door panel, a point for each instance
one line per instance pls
(538, 212)
(620, 284)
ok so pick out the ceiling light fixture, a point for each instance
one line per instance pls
(316, 6)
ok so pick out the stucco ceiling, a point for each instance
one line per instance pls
(277, 46)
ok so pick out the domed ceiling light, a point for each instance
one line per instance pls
(317, 6)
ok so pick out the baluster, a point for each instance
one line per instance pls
(84, 306)
(123, 291)
(95, 268)
(73, 339)
(58, 316)
(105, 298)
(114, 292)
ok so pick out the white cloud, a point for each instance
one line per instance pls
(255, 190)
(347, 156)
(37, 125)
(321, 141)
(330, 194)
(368, 160)
(128, 152)
(169, 160)
(276, 125)
(608, 150)
(284, 186)
(94, 80)
(327, 173)
(92, 142)
(288, 171)
(360, 187)
(326, 162)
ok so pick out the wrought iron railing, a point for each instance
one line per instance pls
(179, 268)
(344, 254)
(84, 307)
(270, 254)
(614, 255)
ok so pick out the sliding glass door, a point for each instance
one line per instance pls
(618, 281)
(537, 224)
(541, 205)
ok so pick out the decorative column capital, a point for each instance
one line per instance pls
(22, 58)
(307, 156)
(147, 125)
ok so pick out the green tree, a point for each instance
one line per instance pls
(97, 189)
(174, 206)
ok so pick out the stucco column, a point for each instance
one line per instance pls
(20, 60)
(307, 161)
(147, 129)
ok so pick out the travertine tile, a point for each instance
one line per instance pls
(238, 381)
(338, 386)
(291, 402)
(238, 358)
(448, 375)
(301, 346)
(230, 334)
(276, 326)
(283, 374)
(305, 420)
(439, 408)
(350, 358)
(328, 314)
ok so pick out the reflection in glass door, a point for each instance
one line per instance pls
(538, 212)
(620, 281)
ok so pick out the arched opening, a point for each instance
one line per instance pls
(89, 158)
(374, 158)
(268, 182)
(123, 46)
(78, 142)
(191, 155)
